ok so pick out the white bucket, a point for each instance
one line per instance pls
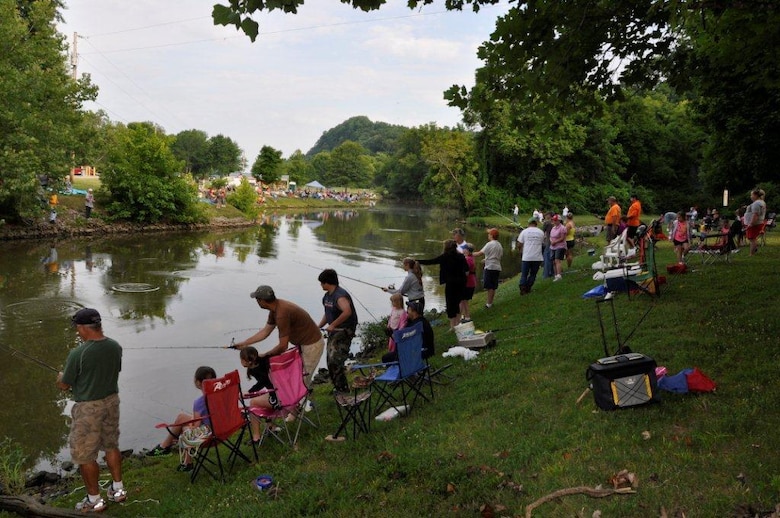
(463, 330)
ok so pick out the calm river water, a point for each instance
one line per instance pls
(196, 299)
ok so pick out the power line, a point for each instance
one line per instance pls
(139, 87)
(269, 33)
(123, 31)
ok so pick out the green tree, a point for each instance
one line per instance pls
(39, 105)
(402, 174)
(298, 169)
(192, 146)
(320, 164)
(452, 181)
(349, 166)
(268, 165)
(224, 156)
(143, 180)
(244, 198)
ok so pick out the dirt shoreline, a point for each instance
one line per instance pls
(71, 223)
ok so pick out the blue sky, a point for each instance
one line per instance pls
(166, 62)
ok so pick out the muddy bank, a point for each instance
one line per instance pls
(71, 223)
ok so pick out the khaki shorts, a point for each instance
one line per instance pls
(95, 427)
(311, 354)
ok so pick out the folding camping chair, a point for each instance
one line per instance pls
(403, 381)
(354, 407)
(286, 374)
(647, 280)
(715, 247)
(227, 416)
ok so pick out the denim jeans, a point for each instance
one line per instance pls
(548, 270)
(528, 271)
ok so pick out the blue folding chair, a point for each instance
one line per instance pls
(403, 381)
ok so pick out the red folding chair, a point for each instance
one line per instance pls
(228, 418)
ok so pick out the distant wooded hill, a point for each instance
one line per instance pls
(376, 137)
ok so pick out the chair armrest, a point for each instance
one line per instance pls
(250, 395)
(185, 423)
(371, 366)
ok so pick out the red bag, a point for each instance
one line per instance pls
(699, 382)
(676, 268)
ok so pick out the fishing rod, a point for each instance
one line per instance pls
(351, 294)
(344, 276)
(14, 352)
(231, 346)
(506, 218)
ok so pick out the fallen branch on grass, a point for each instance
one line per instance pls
(581, 490)
(29, 506)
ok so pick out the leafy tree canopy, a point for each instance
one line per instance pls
(40, 105)
(143, 180)
(349, 166)
(192, 146)
(224, 156)
(268, 165)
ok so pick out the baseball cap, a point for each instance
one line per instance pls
(556, 218)
(263, 292)
(85, 317)
(415, 305)
(459, 231)
(493, 232)
(611, 198)
(533, 220)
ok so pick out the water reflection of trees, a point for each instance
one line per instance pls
(35, 319)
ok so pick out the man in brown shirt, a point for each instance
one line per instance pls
(295, 326)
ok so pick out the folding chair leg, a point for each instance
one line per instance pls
(355, 410)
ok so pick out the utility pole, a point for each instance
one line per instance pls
(74, 57)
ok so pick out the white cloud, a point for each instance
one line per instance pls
(166, 62)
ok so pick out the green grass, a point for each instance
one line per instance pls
(508, 431)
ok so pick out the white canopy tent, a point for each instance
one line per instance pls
(315, 184)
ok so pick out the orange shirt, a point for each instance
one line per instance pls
(634, 211)
(613, 215)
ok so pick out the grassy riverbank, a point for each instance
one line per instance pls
(71, 220)
(508, 431)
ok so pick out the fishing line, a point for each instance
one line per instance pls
(14, 352)
(342, 275)
(351, 294)
(178, 347)
(364, 306)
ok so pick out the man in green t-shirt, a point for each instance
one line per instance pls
(91, 372)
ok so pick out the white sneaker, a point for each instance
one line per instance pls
(557, 278)
(117, 495)
(85, 506)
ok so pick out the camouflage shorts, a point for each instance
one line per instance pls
(95, 427)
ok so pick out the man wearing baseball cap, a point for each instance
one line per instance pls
(91, 372)
(295, 325)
